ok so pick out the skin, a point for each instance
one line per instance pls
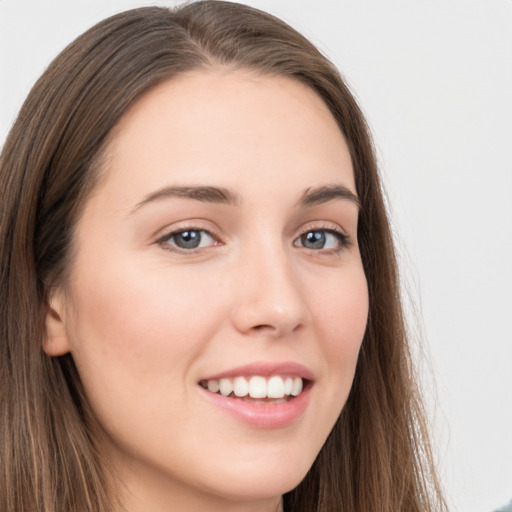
(145, 321)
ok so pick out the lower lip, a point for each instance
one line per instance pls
(262, 415)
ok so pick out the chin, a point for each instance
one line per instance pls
(257, 486)
(259, 478)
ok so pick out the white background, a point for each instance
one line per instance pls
(434, 78)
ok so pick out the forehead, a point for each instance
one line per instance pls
(228, 128)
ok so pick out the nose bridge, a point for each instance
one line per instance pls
(269, 296)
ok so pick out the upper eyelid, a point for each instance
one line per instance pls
(187, 225)
(322, 226)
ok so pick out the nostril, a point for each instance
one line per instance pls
(262, 327)
(274, 330)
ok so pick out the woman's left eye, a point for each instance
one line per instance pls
(322, 239)
(188, 239)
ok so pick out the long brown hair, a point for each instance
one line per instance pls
(377, 458)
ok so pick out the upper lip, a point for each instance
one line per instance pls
(265, 369)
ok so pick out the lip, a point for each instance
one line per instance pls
(263, 415)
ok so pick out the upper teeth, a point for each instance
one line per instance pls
(256, 386)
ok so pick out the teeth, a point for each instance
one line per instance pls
(226, 387)
(288, 384)
(241, 387)
(297, 386)
(275, 387)
(257, 386)
(213, 386)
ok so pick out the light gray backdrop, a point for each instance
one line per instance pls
(435, 79)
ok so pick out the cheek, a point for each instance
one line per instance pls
(136, 337)
(341, 314)
(341, 308)
(134, 325)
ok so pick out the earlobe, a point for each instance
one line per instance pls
(56, 341)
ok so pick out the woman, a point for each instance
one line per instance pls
(200, 302)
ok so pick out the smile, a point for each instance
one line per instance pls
(256, 387)
(262, 395)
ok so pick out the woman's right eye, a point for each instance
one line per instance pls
(188, 239)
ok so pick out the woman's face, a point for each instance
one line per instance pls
(220, 250)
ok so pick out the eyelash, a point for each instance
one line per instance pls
(164, 240)
(343, 239)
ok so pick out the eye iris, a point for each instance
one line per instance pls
(187, 239)
(313, 239)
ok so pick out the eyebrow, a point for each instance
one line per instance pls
(202, 193)
(326, 193)
(220, 195)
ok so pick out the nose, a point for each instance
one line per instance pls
(270, 300)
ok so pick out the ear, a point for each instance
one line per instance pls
(56, 341)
